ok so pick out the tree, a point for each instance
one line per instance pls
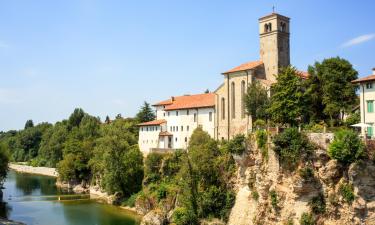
(75, 118)
(288, 103)
(145, 114)
(331, 81)
(28, 124)
(4, 160)
(257, 101)
(346, 147)
(107, 119)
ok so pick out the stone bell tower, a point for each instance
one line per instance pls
(274, 44)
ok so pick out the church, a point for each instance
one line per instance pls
(221, 113)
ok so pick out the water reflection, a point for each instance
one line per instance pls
(5, 208)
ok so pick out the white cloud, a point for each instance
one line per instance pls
(358, 40)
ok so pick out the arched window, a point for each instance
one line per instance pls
(233, 94)
(223, 108)
(270, 27)
(282, 27)
(265, 27)
(243, 90)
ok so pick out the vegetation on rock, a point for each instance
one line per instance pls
(346, 147)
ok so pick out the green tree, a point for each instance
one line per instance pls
(29, 124)
(76, 117)
(257, 101)
(330, 88)
(4, 160)
(346, 147)
(288, 100)
(145, 114)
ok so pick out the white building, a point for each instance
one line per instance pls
(176, 119)
(367, 98)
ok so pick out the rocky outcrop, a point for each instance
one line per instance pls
(293, 193)
(10, 222)
(154, 217)
(45, 171)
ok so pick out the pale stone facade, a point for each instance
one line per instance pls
(231, 118)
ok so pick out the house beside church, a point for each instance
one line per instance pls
(367, 99)
(222, 113)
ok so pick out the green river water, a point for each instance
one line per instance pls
(33, 199)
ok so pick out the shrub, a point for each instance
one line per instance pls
(291, 145)
(346, 147)
(261, 137)
(347, 192)
(184, 216)
(237, 145)
(162, 192)
(255, 195)
(131, 200)
(307, 219)
(274, 199)
(306, 173)
(318, 204)
(353, 119)
(259, 124)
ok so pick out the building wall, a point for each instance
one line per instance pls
(149, 137)
(366, 95)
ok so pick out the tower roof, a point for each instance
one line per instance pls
(273, 15)
(245, 66)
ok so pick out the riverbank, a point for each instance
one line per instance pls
(46, 171)
(9, 222)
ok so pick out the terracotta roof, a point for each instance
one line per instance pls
(189, 102)
(364, 79)
(245, 66)
(166, 102)
(303, 74)
(151, 123)
(165, 133)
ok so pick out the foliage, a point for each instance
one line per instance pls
(288, 104)
(291, 146)
(145, 114)
(4, 160)
(255, 195)
(184, 216)
(274, 199)
(353, 118)
(152, 167)
(307, 219)
(318, 204)
(260, 124)
(29, 124)
(261, 137)
(237, 145)
(330, 90)
(347, 192)
(131, 200)
(346, 147)
(306, 173)
(257, 101)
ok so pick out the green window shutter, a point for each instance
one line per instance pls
(370, 106)
(370, 131)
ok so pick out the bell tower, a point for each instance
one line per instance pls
(274, 43)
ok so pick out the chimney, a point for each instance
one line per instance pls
(172, 98)
(373, 71)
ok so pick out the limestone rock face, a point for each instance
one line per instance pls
(153, 217)
(331, 172)
(362, 175)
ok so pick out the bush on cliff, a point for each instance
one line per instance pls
(346, 147)
(4, 160)
(291, 146)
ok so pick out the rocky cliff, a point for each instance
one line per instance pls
(320, 191)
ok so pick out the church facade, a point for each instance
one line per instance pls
(231, 117)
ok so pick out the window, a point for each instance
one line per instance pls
(168, 113)
(176, 113)
(368, 85)
(175, 139)
(370, 106)
(210, 116)
(370, 131)
(223, 108)
(282, 26)
(185, 139)
(182, 128)
(233, 94)
(170, 129)
(265, 27)
(270, 27)
(146, 128)
(164, 114)
(176, 128)
(187, 112)
(187, 128)
(243, 88)
(195, 117)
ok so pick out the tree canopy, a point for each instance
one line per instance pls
(257, 101)
(145, 114)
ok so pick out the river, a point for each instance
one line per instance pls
(34, 200)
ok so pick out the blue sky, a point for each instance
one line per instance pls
(109, 56)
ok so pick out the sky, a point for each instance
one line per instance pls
(109, 56)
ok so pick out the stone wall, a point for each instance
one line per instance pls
(322, 140)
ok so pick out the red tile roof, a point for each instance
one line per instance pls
(303, 74)
(152, 123)
(364, 79)
(245, 66)
(189, 102)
